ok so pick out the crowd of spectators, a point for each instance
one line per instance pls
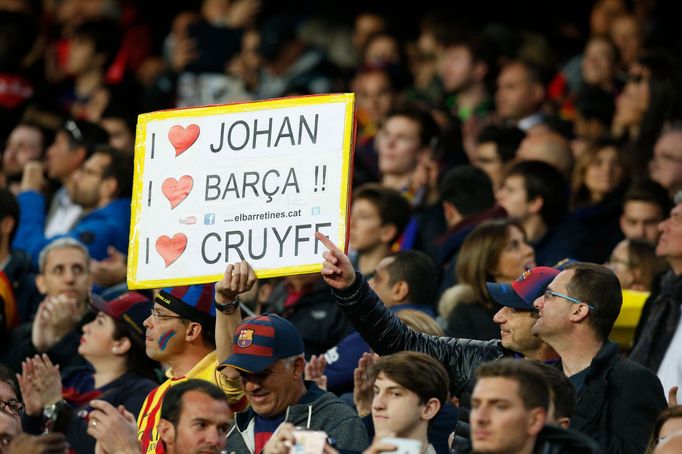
(515, 183)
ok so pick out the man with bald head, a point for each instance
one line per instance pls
(549, 147)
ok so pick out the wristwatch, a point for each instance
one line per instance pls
(51, 412)
(228, 308)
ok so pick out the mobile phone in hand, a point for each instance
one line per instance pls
(308, 442)
(404, 445)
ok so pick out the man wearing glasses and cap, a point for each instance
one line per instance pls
(618, 399)
(189, 329)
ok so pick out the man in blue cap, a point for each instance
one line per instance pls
(268, 356)
(386, 334)
(517, 315)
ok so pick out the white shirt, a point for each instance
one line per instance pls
(670, 370)
(63, 215)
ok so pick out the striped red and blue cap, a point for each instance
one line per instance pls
(260, 341)
(521, 293)
(193, 302)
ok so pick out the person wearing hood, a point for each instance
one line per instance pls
(268, 356)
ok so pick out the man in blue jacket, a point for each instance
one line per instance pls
(102, 186)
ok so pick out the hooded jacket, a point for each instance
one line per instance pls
(317, 410)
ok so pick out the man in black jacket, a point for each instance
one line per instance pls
(618, 400)
(386, 334)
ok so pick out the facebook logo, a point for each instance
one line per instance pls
(209, 218)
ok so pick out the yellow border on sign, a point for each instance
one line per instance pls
(140, 150)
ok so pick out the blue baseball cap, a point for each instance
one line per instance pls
(260, 341)
(521, 293)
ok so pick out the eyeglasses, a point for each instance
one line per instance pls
(12, 406)
(156, 316)
(550, 293)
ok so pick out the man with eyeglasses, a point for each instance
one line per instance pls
(182, 331)
(618, 399)
(11, 409)
(10, 403)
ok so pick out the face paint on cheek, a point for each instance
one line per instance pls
(165, 337)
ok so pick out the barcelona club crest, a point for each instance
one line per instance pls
(245, 338)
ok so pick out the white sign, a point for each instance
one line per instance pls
(252, 181)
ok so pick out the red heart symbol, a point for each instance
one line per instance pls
(171, 248)
(177, 191)
(183, 138)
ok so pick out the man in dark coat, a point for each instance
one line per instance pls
(618, 399)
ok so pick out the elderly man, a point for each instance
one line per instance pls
(576, 315)
(268, 356)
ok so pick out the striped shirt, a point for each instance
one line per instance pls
(150, 414)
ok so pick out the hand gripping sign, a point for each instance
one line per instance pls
(251, 181)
